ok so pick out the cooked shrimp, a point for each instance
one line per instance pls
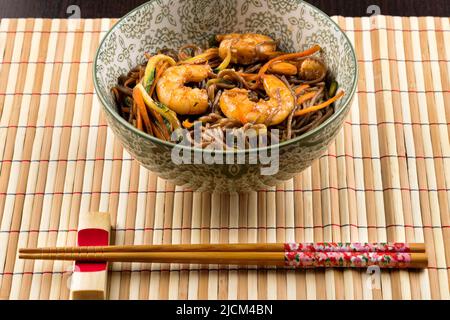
(246, 48)
(235, 104)
(174, 94)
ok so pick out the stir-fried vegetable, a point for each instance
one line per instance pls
(202, 58)
(150, 70)
(300, 89)
(306, 97)
(159, 73)
(320, 106)
(333, 89)
(165, 112)
(289, 56)
(225, 63)
(142, 112)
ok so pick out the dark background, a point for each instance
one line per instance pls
(117, 8)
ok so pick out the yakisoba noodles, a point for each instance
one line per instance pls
(243, 84)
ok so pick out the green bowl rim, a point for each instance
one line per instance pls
(117, 116)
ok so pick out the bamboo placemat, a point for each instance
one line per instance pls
(386, 178)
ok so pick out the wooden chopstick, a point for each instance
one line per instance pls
(270, 247)
(295, 259)
(167, 257)
(249, 247)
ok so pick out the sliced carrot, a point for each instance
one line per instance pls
(300, 89)
(160, 124)
(160, 108)
(142, 110)
(150, 130)
(319, 106)
(289, 56)
(307, 96)
(139, 122)
(187, 124)
(161, 69)
(158, 133)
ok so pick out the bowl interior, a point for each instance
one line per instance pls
(160, 24)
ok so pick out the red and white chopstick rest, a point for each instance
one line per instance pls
(89, 279)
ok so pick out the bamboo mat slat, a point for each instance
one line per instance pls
(385, 178)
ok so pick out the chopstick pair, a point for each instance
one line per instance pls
(298, 255)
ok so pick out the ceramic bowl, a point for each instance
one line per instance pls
(160, 24)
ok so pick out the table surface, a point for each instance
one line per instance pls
(107, 8)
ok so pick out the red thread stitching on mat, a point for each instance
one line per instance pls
(397, 123)
(169, 270)
(46, 62)
(402, 91)
(47, 94)
(66, 126)
(23, 194)
(50, 32)
(235, 228)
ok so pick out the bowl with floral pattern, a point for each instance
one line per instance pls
(160, 24)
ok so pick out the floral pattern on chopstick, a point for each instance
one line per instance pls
(346, 259)
(346, 247)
